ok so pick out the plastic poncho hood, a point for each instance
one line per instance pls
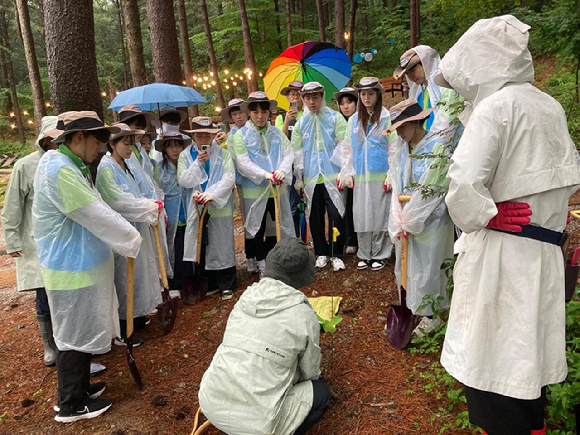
(430, 60)
(492, 53)
(267, 300)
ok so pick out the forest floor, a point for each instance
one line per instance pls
(376, 389)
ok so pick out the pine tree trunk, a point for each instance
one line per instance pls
(212, 57)
(278, 27)
(339, 23)
(351, 27)
(122, 43)
(17, 21)
(70, 54)
(363, 16)
(321, 26)
(393, 5)
(301, 13)
(134, 42)
(7, 60)
(32, 64)
(418, 20)
(186, 50)
(288, 23)
(4, 83)
(413, 22)
(111, 96)
(248, 48)
(164, 46)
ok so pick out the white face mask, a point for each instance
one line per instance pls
(167, 127)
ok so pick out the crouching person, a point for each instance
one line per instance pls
(263, 378)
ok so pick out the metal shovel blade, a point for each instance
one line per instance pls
(132, 364)
(400, 323)
(166, 313)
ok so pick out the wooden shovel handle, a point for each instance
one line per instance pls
(276, 195)
(404, 246)
(200, 218)
(160, 257)
(130, 299)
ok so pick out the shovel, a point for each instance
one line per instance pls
(400, 320)
(167, 310)
(276, 195)
(200, 282)
(129, 335)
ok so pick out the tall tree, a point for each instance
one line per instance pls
(248, 48)
(413, 22)
(339, 23)
(351, 27)
(211, 52)
(418, 20)
(321, 26)
(288, 23)
(122, 43)
(31, 63)
(7, 61)
(301, 13)
(278, 28)
(134, 42)
(186, 50)
(164, 46)
(71, 57)
(393, 5)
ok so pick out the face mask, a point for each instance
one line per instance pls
(167, 127)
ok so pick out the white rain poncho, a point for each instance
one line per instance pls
(220, 250)
(258, 382)
(318, 144)
(429, 227)
(506, 330)
(369, 155)
(150, 190)
(258, 152)
(17, 214)
(166, 178)
(74, 230)
(442, 100)
(118, 189)
(230, 148)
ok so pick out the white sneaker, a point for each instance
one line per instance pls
(252, 265)
(321, 261)
(426, 326)
(351, 250)
(362, 265)
(261, 267)
(378, 264)
(338, 264)
(174, 294)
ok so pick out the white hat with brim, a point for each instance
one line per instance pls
(156, 121)
(236, 103)
(202, 124)
(312, 88)
(258, 97)
(125, 131)
(370, 83)
(171, 135)
(72, 122)
(345, 91)
(295, 85)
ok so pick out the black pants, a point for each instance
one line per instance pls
(223, 279)
(350, 233)
(322, 204)
(502, 415)
(179, 266)
(294, 198)
(320, 401)
(257, 247)
(74, 372)
(42, 308)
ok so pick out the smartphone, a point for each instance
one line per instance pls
(222, 127)
(294, 105)
(205, 148)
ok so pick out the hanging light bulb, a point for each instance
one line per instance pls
(213, 82)
(206, 78)
(12, 126)
(261, 74)
(11, 114)
(104, 94)
(184, 82)
(25, 113)
(235, 83)
(226, 71)
(218, 108)
(30, 122)
(47, 104)
(346, 35)
(227, 86)
(199, 80)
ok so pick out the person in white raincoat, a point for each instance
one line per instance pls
(318, 144)
(366, 170)
(74, 231)
(118, 188)
(263, 155)
(263, 378)
(206, 170)
(420, 65)
(175, 204)
(424, 221)
(506, 334)
(17, 228)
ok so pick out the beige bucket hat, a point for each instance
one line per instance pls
(408, 60)
(346, 91)
(156, 121)
(370, 83)
(125, 131)
(127, 113)
(71, 122)
(311, 88)
(296, 85)
(258, 97)
(171, 135)
(406, 111)
(225, 113)
(202, 124)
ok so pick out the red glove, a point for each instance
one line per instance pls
(511, 216)
(338, 184)
(160, 205)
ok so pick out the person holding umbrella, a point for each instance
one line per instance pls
(263, 156)
(119, 190)
(346, 100)
(366, 170)
(207, 170)
(318, 141)
(75, 232)
(424, 221)
(510, 183)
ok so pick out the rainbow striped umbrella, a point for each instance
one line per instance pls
(309, 61)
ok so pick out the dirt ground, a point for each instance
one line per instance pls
(376, 389)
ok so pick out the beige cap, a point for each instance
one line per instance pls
(71, 122)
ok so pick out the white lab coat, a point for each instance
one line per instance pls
(506, 331)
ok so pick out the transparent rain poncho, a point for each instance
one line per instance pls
(368, 158)
(118, 189)
(220, 250)
(256, 153)
(429, 227)
(74, 230)
(318, 145)
(230, 148)
(166, 178)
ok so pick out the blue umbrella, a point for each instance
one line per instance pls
(155, 95)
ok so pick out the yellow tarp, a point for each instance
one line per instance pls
(325, 306)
